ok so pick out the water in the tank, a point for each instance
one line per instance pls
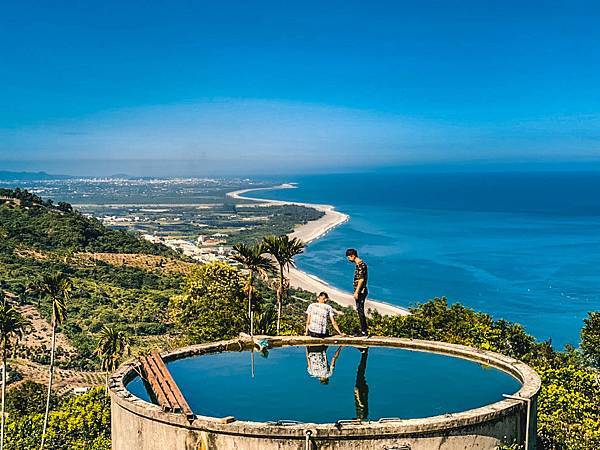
(325, 384)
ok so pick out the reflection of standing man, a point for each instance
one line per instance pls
(361, 276)
(361, 389)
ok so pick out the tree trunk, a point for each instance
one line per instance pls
(50, 375)
(250, 312)
(3, 392)
(279, 298)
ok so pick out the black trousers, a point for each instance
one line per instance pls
(360, 309)
(361, 388)
(317, 335)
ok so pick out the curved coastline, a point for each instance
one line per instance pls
(309, 232)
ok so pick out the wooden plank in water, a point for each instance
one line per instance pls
(170, 382)
(151, 376)
(164, 383)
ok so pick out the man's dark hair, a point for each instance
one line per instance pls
(351, 252)
(324, 294)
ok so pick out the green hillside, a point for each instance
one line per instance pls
(28, 220)
(38, 237)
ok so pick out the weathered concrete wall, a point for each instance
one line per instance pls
(137, 424)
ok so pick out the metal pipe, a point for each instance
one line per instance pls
(308, 434)
(527, 419)
(284, 422)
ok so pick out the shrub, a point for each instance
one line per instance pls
(81, 423)
(590, 338)
(213, 306)
(28, 398)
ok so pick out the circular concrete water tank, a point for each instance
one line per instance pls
(139, 424)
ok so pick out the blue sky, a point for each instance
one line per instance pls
(183, 88)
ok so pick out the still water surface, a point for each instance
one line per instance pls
(325, 384)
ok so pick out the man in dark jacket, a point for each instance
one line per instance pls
(361, 276)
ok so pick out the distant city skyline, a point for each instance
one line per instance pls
(226, 88)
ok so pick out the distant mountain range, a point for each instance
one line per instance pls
(6, 175)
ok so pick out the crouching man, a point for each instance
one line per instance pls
(318, 314)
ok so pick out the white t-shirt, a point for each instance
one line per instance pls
(319, 313)
(318, 366)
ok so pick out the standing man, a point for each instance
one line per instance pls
(361, 276)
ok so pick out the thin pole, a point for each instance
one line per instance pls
(51, 373)
(527, 419)
(3, 390)
(250, 279)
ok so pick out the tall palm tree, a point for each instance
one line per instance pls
(112, 345)
(253, 259)
(12, 327)
(57, 288)
(283, 249)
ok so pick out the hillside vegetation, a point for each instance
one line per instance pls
(189, 303)
(38, 237)
(28, 220)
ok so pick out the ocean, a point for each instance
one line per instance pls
(520, 246)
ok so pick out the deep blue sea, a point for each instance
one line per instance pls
(519, 246)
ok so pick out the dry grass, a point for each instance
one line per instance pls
(64, 380)
(139, 261)
(29, 253)
(41, 332)
(39, 340)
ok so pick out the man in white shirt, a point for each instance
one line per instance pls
(318, 314)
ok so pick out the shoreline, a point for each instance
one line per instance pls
(310, 232)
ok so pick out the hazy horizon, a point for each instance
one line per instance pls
(140, 169)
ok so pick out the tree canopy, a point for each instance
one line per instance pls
(213, 306)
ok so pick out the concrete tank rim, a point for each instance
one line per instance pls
(529, 379)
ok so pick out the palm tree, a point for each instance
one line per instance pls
(283, 249)
(35, 289)
(56, 287)
(253, 259)
(112, 346)
(12, 326)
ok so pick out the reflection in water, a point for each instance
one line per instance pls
(361, 389)
(318, 366)
(263, 350)
(435, 384)
(317, 363)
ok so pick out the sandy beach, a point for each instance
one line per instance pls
(308, 233)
